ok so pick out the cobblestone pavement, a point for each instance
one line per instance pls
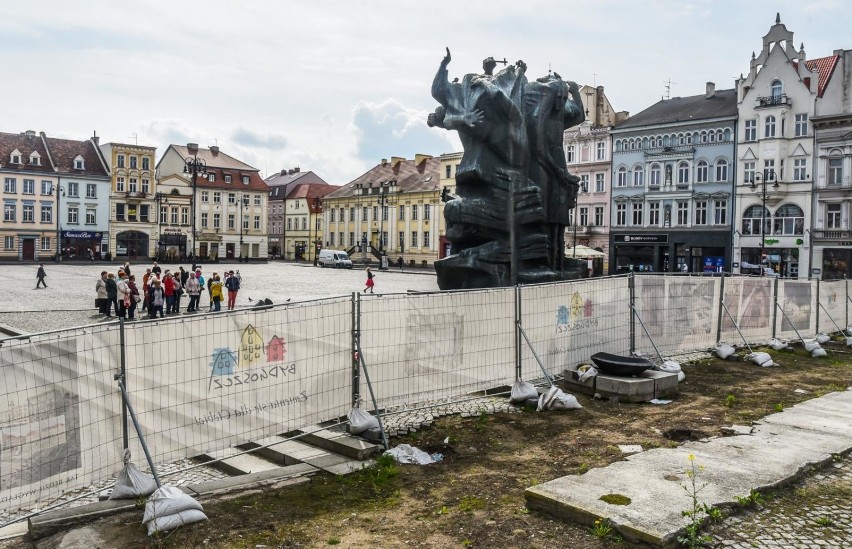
(813, 514)
(69, 299)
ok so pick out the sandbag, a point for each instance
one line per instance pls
(168, 500)
(132, 483)
(176, 520)
(405, 453)
(849, 341)
(522, 391)
(587, 372)
(823, 337)
(564, 401)
(681, 376)
(819, 352)
(760, 359)
(778, 345)
(723, 350)
(810, 345)
(670, 366)
(360, 421)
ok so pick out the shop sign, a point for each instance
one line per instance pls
(172, 230)
(81, 235)
(641, 238)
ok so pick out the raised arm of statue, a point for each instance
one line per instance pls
(441, 82)
(574, 113)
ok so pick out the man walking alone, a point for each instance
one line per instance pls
(40, 275)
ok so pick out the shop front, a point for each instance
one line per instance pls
(81, 244)
(131, 244)
(676, 251)
(781, 261)
(172, 245)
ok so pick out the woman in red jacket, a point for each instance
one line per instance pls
(169, 291)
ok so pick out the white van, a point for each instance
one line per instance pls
(334, 258)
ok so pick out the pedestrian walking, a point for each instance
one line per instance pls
(101, 301)
(156, 269)
(370, 282)
(40, 276)
(112, 295)
(184, 276)
(156, 298)
(91, 256)
(134, 297)
(216, 292)
(126, 268)
(233, 285)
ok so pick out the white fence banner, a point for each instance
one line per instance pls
(60, 418)
(797, 298)
(214, 381)
(749, 302)
(832, 296)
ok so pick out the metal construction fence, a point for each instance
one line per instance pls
(202, 383)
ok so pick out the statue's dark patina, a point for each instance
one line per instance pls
(506, 221)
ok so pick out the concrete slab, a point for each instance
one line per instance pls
(48, 523)
(290, 475)
(234, 463)
(780, 448)
(665, 383)
(339, 443)
(625, 389)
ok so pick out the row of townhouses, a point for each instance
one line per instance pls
(753, 179)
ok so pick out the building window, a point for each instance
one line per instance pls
(801, 129)
(227, 178)
(701, 172)
(91, 190)
(570, 154)
(211, 177)
(174, 215)
(599, 183)
(622, 177)
(621, 214)
(232, 198)
(146, 165)
(789, 220)
(203, 220)
(413, 239)
(29, 186)
(164, 214)
(721, 171)
(90, 216)
(700, 212)
(638, 209)
(289, 223)
(8, 242)
(146, 186)
(414, 212)
(342, 219)
(832, 216)
(232, 222)
(245, 180)
(132, 186)
(331, 214)
(769, 166)
(132, 162)
(748, 172)
(217, 221)
(79, 164)
(449, 171)
(119, 161)
(351, 238)
(217, 197)
(304, 224)
(683, 173)
(427, 211)
(654, 214)
(257, 223)
(800, 166)
(35, 159)
(46, 187)
(401, 236)
(753, 218)
(375, 213)
(402, 213)
(45, 243)
(655, 175)
(73, 214)
(769, 127)
(599, 216)
(426, 241)
(184, 215)
(777, 89)
(143, 213)
(205, 197)
(46, 213)
(835, 171)
(720, 212)
(683, 213)
(258, 200)
(601, 151)
(119, 212)
(16, 157)
(119, 184)
(74, 190)
(29, 213)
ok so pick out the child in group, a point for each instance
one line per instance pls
(216, 293)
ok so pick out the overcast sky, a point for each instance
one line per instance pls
(334, 86)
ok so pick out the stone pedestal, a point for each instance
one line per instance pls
(649, 385)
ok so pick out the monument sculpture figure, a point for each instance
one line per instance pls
(506, 222)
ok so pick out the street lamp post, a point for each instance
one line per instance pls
(243, 206)
(317, 207)
(584, 188)
(60, 192)
(384, 190)
(159, 198)
(194, 166)
(759, 181)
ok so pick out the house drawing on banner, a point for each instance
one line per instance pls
(276, 349)
(222, 362)
(251, 347)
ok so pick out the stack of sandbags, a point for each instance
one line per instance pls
(724, 350)
(823, 337)
(168, 508)
(814, 348)
(555, 399)
(778, 345)
(672, 367)
(761, 359)
(524, 393)
(132, 483)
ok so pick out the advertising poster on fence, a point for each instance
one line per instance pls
(59, 427)
(679, 313)
(215, 381)
(796, 299)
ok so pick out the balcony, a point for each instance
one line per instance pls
(831, 235)
(130, 195)
(772, 101)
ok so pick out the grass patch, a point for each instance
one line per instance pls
(616, 499)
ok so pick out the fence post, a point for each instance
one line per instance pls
(817, 306)
(122, 350)
(721, 310)
(774, 308)
(353, 355)
(631, 286)
(518, 359)
(846, 305)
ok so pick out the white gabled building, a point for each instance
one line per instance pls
(775, 153)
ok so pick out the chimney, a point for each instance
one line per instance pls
(284, 172)
(95, 139)
(30, 133)
(395, 162)
(297, 169)
(420, 161)
(384, 161)
(711, 90)
(290, 171)
(214, 150)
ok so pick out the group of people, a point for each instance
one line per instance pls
(161, 291)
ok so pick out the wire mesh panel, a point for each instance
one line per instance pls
(208, 382)
(679, 312)
(797, 298)
(832, 297)
(749, 301)
(429, 346)
(60, 415)
(568, 322)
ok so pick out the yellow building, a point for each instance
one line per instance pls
(133, 208)
(393, 209)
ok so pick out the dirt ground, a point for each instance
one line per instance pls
(474, 497)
